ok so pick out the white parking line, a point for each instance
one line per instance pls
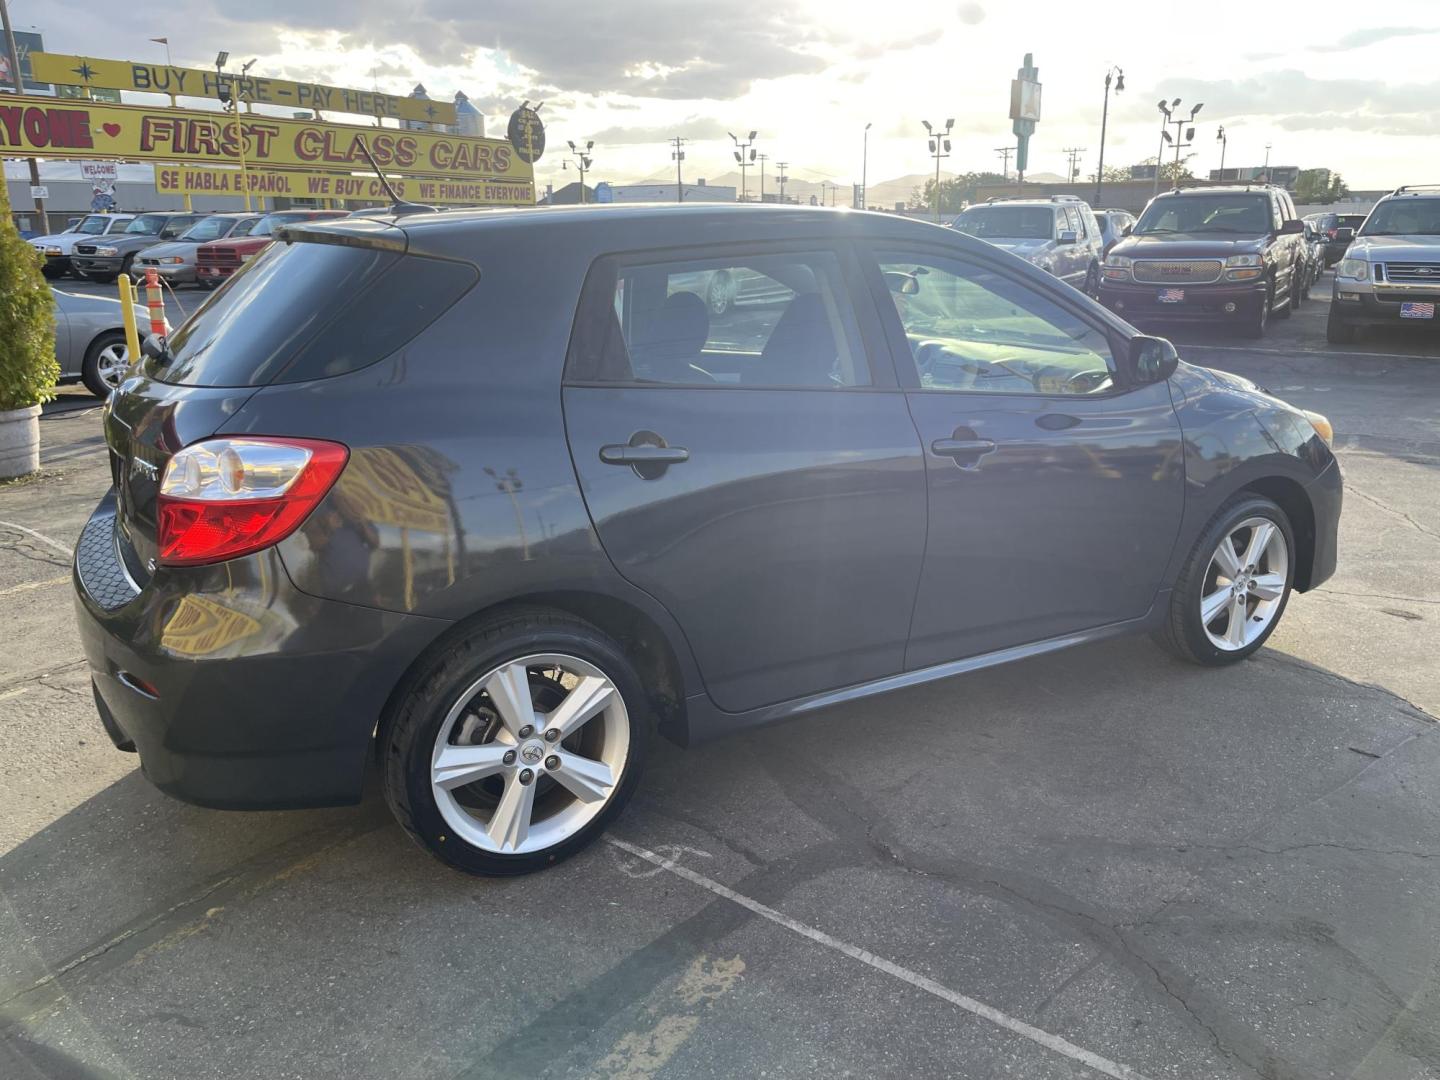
(1051, 1042)
(39, 536)
(1305, 352)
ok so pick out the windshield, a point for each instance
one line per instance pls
(1248, 214)
(211, 228)
(1007, 222)
(245, 228)
(1405, 216)
(147, 225)
(267, 225)
(92, 226)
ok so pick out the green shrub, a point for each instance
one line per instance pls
(28, 369)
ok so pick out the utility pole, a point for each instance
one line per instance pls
(14, 51)
(1118, 75)
(745, 155)
(781, 166)
(1073, 153)
(679, 156)
(939, 142)
(583, 161)
(763, 158)
(864, 169)
(1005, 152)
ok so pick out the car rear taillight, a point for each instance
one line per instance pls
(227, 497)
(1330, 234)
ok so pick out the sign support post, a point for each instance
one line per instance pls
(14, 56)
(1024, 112)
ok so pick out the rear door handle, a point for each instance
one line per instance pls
(966, 452)
(622, 454)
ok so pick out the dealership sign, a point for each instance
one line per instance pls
(200, 83)
(179, 180)
(45, 127)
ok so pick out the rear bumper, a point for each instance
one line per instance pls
(204, 272)
(1202, 303)
(238, 690)
(58, 264)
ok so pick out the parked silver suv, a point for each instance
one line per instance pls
(1391, 271)
(1059, 234)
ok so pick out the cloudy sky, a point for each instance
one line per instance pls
(1324, 88)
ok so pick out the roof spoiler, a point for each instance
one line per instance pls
(346, 232)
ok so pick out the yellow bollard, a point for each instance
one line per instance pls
(127, 316)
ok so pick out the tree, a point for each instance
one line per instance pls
(1319, 186)
(28, 369)
(956, 191)
(1114, 174)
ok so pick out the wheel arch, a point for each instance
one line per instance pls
(646, 643)
(1290, 495)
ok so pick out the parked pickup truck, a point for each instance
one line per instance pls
(215, 262)
(1210, 255)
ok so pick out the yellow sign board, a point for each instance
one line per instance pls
(48, 127)
(204, 180)
(199, 83)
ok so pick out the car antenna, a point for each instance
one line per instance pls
(397, 204)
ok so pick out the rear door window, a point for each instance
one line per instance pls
(310, 310)
(761, 320)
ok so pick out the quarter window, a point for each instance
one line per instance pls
(758, 320)
(974, 330)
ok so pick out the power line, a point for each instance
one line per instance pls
(1073, 153)
(1004, 152)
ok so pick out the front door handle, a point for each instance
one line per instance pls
(643, 455)
(647, 453)
(965, 452)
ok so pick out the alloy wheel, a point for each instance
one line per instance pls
(530, 753)
(1244, 584)
(111, 362)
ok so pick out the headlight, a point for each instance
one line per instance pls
(1245, 260)
(1358, 269)
(107, 251)
(172, 260)
(53, 251)
(1322, 427)
(1117, 268)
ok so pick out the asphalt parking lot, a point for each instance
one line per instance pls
(1102, 862)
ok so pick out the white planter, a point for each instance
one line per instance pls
(19, 441)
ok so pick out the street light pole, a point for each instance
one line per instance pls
(1119, 78)
(583, 161)
(1224, 141)
(939, 143)
(745, 155)
(1267, 163)
(763, 158)
(865, 169)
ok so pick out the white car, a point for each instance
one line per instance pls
(58, 247)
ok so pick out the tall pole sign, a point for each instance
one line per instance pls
(1024, 111)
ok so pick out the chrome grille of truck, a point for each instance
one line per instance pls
(1413, 273)
(1177, 271)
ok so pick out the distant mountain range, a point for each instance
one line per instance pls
(883, 193)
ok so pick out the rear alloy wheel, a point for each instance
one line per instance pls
(1235, 586)
(518, 745)
(105, 363)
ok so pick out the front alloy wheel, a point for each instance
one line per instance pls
(516, 743)
(105, 364)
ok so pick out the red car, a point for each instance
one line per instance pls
(217, 261)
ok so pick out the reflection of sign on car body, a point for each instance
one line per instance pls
(49, 128)
(201, 83)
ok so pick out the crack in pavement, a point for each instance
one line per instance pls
(1406, 705)
(41, 673)
(1351, 489)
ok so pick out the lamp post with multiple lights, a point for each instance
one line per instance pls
(230, 98)
(1183, 137)
(939, 142)
(745, 155)
(583, 161)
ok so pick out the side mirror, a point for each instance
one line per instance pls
(1152, 360)
(1292, 227)
(1344, 235)
(1069, 236)
(1127, 230)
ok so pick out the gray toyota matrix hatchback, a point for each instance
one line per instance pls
(491, 494)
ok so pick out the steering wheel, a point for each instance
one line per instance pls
(1083, 382)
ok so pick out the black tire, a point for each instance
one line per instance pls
(1183, 632)
(1255, 326)
(90, 366)
(407, 737)
(1337, 330)
(50, 273)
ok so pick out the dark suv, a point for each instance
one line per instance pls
(486, 494)
(106, 258)
(1232, 255)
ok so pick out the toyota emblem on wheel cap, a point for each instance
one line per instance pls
(532, 753)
